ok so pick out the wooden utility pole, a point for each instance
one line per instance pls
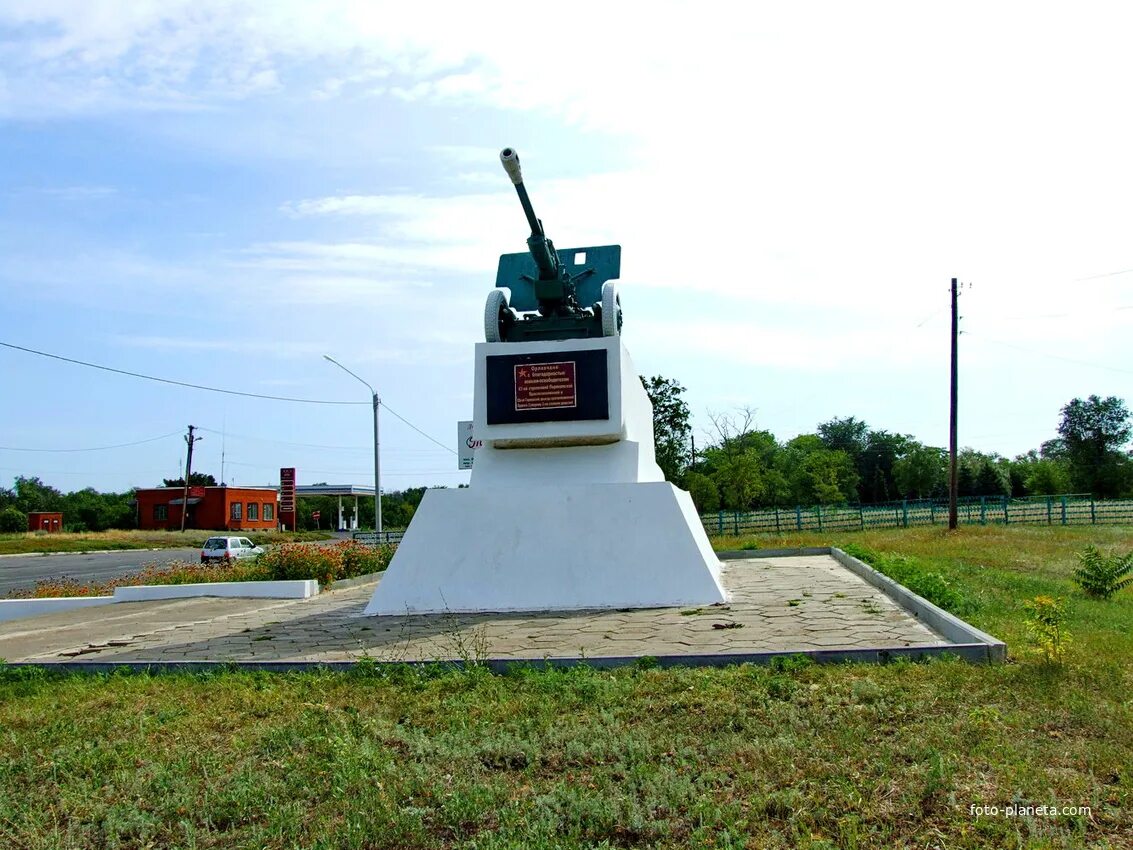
(953, 480)
(190, 439)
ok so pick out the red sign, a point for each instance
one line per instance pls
(545, 386)
(287, 489)
(316, 515)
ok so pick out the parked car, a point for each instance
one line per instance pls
(229, 549)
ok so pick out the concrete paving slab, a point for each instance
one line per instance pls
(801, 603)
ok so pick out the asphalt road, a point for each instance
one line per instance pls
(20, 571)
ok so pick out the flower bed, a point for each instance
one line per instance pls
(287, 561)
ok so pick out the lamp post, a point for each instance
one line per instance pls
(377, 455)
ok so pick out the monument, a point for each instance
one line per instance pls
(566, 507)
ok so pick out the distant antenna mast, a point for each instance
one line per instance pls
(223, 442)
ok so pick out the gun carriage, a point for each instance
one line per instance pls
(551, 294)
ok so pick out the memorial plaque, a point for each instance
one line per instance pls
(561, 386)
(545, 386)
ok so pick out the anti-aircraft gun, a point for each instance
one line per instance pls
(548, 294)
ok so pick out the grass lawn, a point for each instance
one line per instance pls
(790, 756)
(98, 541)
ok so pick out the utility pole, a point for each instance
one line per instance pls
(953, 480)
(693, 438)
(377, 403)
(190, 439)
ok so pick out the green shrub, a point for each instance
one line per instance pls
(13, 521)
(1045, 621)
(1100, 575)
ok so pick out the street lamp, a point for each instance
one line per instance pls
(377, 456)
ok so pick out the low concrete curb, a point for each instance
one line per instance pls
(18, 609)
(295, 589)
(883, 655)
(343, 583)
(964, 636)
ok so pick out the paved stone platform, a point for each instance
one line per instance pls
(784, 604)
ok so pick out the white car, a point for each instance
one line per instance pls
(229, 549)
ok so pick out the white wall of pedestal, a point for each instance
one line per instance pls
(551, 548)
(549, 524)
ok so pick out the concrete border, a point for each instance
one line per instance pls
(949, 626)
(293, 589)
(343, 583)
(18, 609)
(973, 653)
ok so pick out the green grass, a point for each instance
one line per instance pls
(98, 541)
(794, 755)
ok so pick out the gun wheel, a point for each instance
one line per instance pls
(496, 315)
(611, 310)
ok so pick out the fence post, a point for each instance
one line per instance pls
(931, 512)
(736, 522)
(799, 517)
(983, 510)
(720, 523)
(1093, 513)
(905, 512)
(777, 530)
(1006, 518)
(1064, 510)
(1049, 511)
(861, 515)
(819, 508)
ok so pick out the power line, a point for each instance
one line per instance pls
(1052, 356)
(315, 445)
(177, 383)
(448, 449)
(219, 389)
(95, 448)
(1100, 276)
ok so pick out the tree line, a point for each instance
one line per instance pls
(845, 461)
(741, 468)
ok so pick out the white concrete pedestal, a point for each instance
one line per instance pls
(559, 515)
(551, 548)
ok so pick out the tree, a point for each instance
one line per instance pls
(1094, 431)
(1047, 478)
(920, 472)
(33, 495)
(990, 480)
(671, 428)
(705, 494)
(196, 479)
(848, 435)
(12, 520)
(818, 475)
(875, 466)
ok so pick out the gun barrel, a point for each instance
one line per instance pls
(510, 160)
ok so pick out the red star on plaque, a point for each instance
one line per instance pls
(523, 373)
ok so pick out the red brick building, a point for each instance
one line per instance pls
(210, 508)
(50, 521)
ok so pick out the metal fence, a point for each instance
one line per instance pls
(373, 537)
(1069, 509)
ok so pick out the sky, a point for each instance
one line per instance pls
(222, 193)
